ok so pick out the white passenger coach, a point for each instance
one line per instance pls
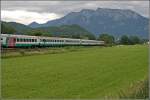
(12, 41)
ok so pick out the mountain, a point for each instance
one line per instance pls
(34, 24)
(20, 28)
(102, 20)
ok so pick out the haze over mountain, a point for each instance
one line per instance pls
(102, 20)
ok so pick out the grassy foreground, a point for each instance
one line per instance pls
(91, 73)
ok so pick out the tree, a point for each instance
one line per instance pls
(130, 40)
(7, 29)
(46, 34)
(35, 32)
(108, 39)
(124, 40)
(91, 37)
(134, 40)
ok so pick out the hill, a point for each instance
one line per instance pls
(19, 28)
(102, 20)
(72, 31)
(68, 31)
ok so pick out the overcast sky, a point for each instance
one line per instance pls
(42, 11)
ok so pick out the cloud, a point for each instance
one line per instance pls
(61, 8)
(27, 17)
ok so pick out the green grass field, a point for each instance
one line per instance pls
(94, 72)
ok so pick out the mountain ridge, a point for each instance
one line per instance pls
(105, 20)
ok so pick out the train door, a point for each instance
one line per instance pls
(11, 42)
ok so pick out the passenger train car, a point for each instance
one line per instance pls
(14, 41)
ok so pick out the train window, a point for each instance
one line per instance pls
(27, 40)
(32, 40)
(35, 40)
(1, 38)
(17, 39)
(24, 40)
(44, 40)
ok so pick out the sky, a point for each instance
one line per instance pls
(26, 12)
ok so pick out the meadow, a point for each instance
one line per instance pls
(93, 72)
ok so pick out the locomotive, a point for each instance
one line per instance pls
(18, 41)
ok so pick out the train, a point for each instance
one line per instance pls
(19, 41)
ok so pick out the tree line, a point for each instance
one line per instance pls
(124, 39)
